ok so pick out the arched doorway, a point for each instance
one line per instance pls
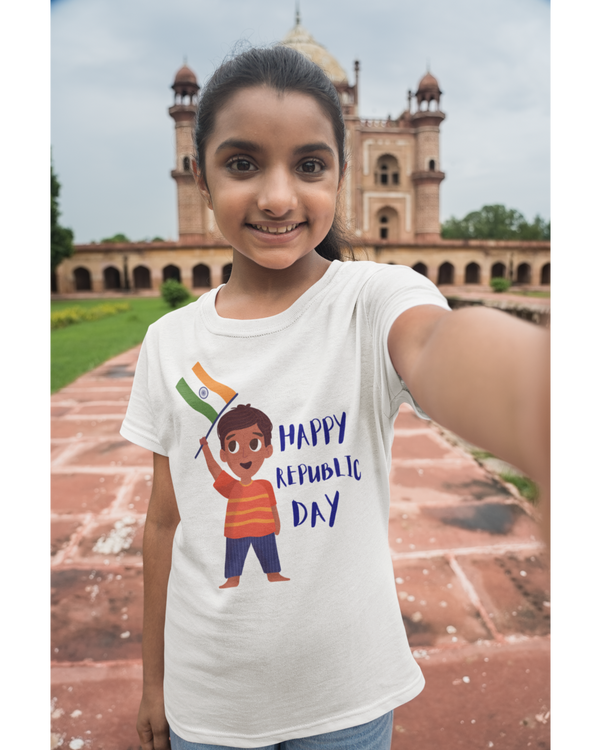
(420, 268)
(112, 278)
(446, 274)
(472, 273)
(201, 276)
(82, 279)
(524, 273)
(545, 274)
(141, 278)
(498, 271)
(171, 272)
(226, 273)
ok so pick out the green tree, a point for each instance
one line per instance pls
(61, 238)
(116, 238)
(495, 223)
(174, 293)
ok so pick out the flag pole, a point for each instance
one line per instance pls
(214, 423)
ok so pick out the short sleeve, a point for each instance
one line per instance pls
(139, 425)
(224, 484)
(389, 292)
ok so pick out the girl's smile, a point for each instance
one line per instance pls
(272, 176)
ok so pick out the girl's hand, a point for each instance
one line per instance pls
(152, 726)
(203, 441)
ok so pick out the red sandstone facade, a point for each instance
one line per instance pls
(390, 201)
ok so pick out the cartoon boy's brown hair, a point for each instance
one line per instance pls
(243, 416)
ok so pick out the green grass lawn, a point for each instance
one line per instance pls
(544, 294)
(82, 346)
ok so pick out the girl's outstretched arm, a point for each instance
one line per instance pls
(485, 375)
(161, 521)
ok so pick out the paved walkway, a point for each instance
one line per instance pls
(471, 573)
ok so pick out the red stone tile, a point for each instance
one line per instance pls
(114, 408)
(443, 483)
(119, 544)
(88, 609)
(515, 602)
(504, 705)
(420, 445)
(455, 526)
(61, 532)
(433, 599)
(82, 392)
(85, 428)
(56, 449)
(141, 493)
(59, 411)
(117, 452)
(96, 704)
(83, 493)
(407, 419)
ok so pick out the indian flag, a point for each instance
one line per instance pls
(208, 396)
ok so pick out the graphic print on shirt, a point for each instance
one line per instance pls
(251, 517)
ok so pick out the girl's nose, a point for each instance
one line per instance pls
(277, 193)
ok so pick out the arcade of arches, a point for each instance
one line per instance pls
(446, 263)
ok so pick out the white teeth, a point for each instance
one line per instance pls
(275, 230)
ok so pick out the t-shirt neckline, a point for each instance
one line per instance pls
(262, 326)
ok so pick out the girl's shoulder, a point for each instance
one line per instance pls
(375, 278)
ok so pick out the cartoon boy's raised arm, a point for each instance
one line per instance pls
(213, 466)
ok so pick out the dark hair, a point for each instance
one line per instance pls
(243, 416)
(283, 69)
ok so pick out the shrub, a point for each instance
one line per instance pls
(70, 315)
(174, 293)
(499, 284)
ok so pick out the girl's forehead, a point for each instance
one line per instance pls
(261, 110)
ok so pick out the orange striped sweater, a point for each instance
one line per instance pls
(249, 508)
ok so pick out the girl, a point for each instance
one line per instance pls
(299, 643)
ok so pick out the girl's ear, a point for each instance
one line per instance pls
(201, 184)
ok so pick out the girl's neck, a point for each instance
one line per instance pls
(254, 291)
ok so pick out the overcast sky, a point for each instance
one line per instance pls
(113, 62)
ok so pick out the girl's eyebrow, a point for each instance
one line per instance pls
(237, 143)
(314, 147)
(256, 148)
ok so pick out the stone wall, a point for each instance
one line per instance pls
(216, 256)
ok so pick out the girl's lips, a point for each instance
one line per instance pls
(261, 230)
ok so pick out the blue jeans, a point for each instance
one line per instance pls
(374, 735)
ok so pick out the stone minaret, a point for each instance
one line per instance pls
(192, 212)
(427, 174)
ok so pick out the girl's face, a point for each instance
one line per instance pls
(272, 175)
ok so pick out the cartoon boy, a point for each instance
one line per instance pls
(252, 517)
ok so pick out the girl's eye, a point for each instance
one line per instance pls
(233, 446)
(241, 165)
(255, 445)
(311, 167)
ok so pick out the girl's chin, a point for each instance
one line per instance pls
(276, 259)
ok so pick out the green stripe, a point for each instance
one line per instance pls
(195, 401)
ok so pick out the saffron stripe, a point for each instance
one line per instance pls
(245, 512)
(195, 401)
(246, 499)
(224, 391)
(245, 523)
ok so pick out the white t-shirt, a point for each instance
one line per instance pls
(269, 661)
